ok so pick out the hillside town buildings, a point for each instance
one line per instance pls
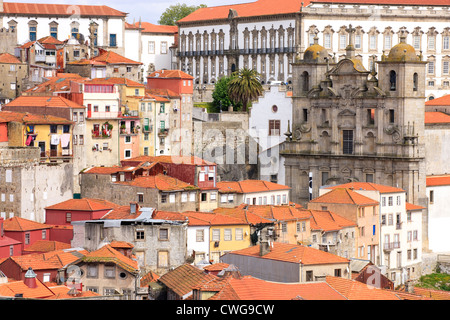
(332, 186)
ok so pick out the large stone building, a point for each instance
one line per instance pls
(350, 124)
(267, 35)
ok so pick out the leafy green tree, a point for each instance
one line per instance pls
(244, 86)
(221, 100)
(177, 12)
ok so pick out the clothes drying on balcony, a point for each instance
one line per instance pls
(65, 139)
(54, 140)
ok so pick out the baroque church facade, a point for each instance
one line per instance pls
(352, 124)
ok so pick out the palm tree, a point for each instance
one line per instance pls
(244, 86)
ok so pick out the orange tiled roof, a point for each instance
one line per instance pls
(49, 40)
(108, 254)
(328, 221)
(216, 266)
(64, 292)
(148, 27)
(355, 290)
(47, 9)
(293, 253)
(49, 260)
(21, 224)
(433, 294)
(432, 117)
(168, 215)
(110, 57)
(121, 212)
(108, 170)
(249, 186)
(162, 93)
(84, 204)
(441, 180)
(56, 84)
(125, 81)
(411, 206)
(368, 186)
(10, 289)
(269, 213)
(160, 181)
(47, 245)
(242, 213)
(345, 196)
(8, 58)
(441, 101)
(178, 74)
(184, 278)
(213, 219)
(44, 101)
(148, 278)
(257, 8)
(121, 244)
(30, 118)
(250, 288)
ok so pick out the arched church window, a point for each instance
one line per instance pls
(415, 81)
(393, 80)
(305, 81)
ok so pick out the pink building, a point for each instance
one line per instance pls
(8, 246)
(61, 215)
(26, 231)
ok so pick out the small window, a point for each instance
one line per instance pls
(431, 196)
(140, 235)
(163, 234)
(110, 272)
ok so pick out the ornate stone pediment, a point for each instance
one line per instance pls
(347, 113)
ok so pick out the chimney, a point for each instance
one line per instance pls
(264, 242)
(30, 278)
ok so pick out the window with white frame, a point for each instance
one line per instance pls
(216, 235)
(227, 234)
(151, 47)
(239, 234)
(200, 235)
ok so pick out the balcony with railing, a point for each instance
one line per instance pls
(389, 246)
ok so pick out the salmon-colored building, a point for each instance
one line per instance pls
(8, 246)
(26, 231)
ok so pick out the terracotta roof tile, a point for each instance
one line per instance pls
(47, 245)
(8, 58)
(148, 27)
(160, 181)
(10, 289)
(61, 83)
(84, 204)
(257, 8)
(345, 196)
(328, 221)
(355, 290)
(44, 101)
(109, 254)
(441, 101)
(250, 288)
(293, 253)
(178, 74)
(244, 214)
(249, 186)
(47, 9)
(110, 57)
(368, 186)
(184, 278)
(30, 118)
(65, 292)
(432, 117)
(21, 224)
(148, 278)
(386, 2)
(411, 207)
(441, 180)
(433, 294)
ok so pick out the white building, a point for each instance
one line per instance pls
(438, 190)
(269, 118)
(149, 44)
(266, 36)
(400, 237)
(32, 22)
(253, 192)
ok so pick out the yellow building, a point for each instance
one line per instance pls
(53, 135)
(225, 234)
